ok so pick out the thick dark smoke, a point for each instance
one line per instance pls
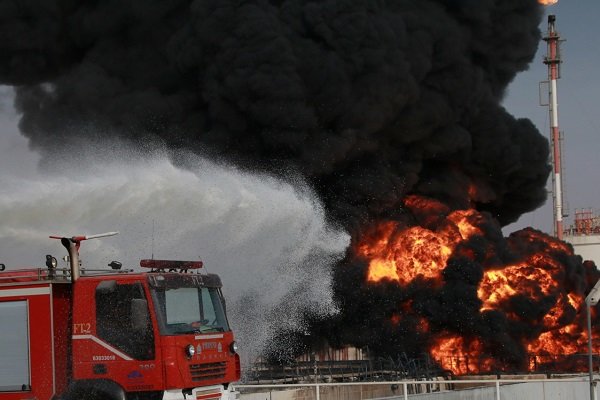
(370, 99)
(410, 319)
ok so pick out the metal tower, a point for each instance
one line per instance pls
(553, 61)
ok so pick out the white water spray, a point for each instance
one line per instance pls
(269, 240)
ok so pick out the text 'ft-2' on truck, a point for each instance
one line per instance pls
(114, 334)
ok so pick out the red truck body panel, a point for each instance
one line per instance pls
(37, 299)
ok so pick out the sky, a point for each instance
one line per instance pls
(576, 22)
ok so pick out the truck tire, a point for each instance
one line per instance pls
(95, 390)
(145, 396)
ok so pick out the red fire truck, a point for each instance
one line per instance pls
(114, 334)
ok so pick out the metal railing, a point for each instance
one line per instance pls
(377, 369)
(492, 389)
(21, 276)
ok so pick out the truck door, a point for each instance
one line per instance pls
(123, 348)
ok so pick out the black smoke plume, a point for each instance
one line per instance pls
(371, 100)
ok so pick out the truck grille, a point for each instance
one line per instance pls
(204, 372)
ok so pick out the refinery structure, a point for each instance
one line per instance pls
(584, 232)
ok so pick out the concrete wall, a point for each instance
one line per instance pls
(587, 246)
(326, 393)
(525, 391)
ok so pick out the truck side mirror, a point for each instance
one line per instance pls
(139, 315)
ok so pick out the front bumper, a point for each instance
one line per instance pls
(217, 392)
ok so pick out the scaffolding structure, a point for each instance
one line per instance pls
(587, 222)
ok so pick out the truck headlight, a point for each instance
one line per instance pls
(233, 347)
(190, 350)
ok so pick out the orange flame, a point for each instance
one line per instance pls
(547, 2)
(403, 255)
(460, 356)
(406, 254)
(498, 286)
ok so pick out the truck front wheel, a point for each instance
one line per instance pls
(145, 396)
(95, 390)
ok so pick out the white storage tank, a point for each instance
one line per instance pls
(584, 235)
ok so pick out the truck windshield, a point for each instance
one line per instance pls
(187, 310)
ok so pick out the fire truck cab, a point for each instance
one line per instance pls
(114, 334)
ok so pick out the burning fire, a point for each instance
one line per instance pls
(459, 355)
(547, 2)
(534, 294)
(403, 255)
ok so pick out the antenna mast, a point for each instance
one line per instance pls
(553, 61)
(153, 239)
